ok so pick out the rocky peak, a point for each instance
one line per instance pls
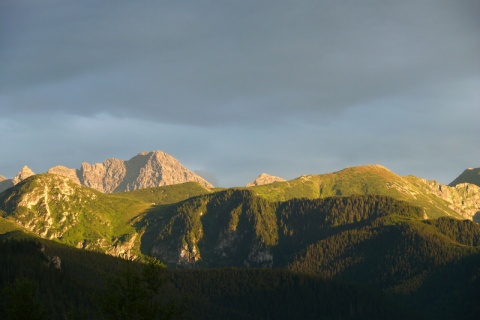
(157, 168)
(264, 179)
(22, 175)
(65, 172)
(145, 170)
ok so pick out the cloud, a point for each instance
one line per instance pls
(210, 64)
(241, 88)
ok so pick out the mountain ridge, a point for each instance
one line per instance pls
(462, 201)
(264, 178)
(152, 169)
(403, 235)
(146, 169)
(470, 175)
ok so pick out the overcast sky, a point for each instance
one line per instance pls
(235, 88)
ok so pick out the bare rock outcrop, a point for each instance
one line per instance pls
(145, 170)
(22, 175)
(264, 179)
(149, 169)
(66, 172)
(464, 198)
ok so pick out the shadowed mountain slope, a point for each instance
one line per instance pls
(471, 176)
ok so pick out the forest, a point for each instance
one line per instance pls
(88, 285)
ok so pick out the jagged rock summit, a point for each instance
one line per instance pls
(22, 175)
(145, 170)
(264, 178)
(470, 175)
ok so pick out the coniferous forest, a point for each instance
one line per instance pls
(94, 286)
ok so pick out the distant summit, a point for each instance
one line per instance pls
(264, 179)
(145, 170)
(471, 175)
(22, 175)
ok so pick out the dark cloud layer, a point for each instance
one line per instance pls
(233, 89)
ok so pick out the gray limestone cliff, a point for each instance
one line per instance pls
(145, 170)
(264, 179)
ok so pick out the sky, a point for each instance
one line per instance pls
(236, 88)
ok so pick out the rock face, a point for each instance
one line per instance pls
(264, 179)
(464, 198)
(22, 175)
(471, 175)
(66, 172)
(145, 170)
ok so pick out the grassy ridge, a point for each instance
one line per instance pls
(84, 217)
(362, 180)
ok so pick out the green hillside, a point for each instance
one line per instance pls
(187, 223)
(56, 208)
(167, 194)
(371, 240)
(235, 227)
(8, 226)
(362, 180)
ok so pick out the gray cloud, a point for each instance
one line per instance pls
(292, 87)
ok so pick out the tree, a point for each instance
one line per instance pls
(138, 296)
(22, 301)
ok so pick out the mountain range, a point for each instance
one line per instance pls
(145, 170)
(364, 224)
